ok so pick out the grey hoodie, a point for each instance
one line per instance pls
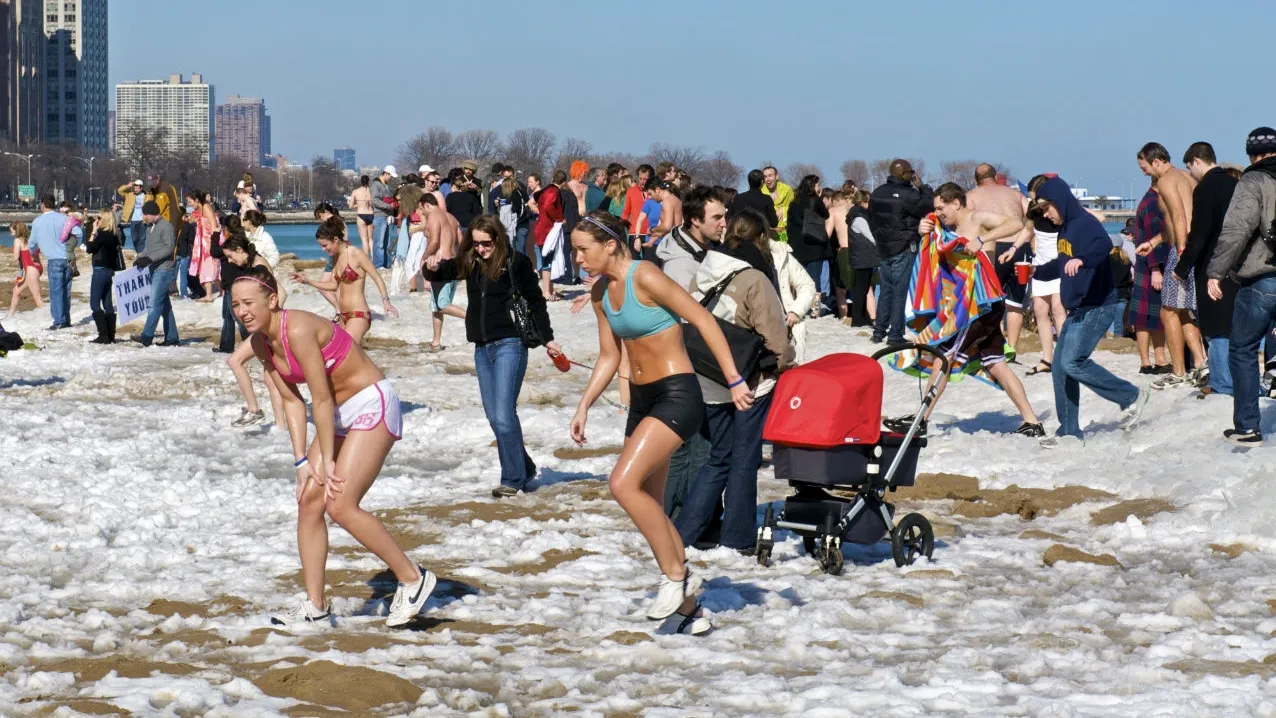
(1239, 252)
(679, 264)
(380, 191)
(161, 244)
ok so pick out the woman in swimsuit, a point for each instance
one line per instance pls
(667, 404)
(323, 212)
(349, 270)
(29, 267)
(361, 203)
(357, 420)
(241, 254)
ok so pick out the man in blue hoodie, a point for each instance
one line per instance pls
(1089, 297)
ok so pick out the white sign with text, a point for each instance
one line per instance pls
(132, 294)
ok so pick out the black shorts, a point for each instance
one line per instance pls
(1016, 293)
(982, 340)
(675, 400)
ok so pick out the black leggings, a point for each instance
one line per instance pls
(862, 282)
(675, 401)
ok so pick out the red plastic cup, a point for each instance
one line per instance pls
(560, 361)
(1023, 270)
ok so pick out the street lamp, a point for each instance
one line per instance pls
(89, 161)
(27, 159)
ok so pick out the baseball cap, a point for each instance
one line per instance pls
(390, 170)
(424, 170)
(151, 208)
(137, 182)
(1129, 227)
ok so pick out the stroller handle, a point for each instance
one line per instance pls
(923, 348)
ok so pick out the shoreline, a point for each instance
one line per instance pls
(288, 217)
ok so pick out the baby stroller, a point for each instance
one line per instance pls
(826, 432)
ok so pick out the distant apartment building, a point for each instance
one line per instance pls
(243, 130)
(182, 110)
(344, 159)
(21, 70)
(75, 67)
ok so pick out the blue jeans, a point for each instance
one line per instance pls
(227, 341)
(137, 231)
(161, 307)
(500, 365)
(101, 290)
(59, 291)
(381, 229)
(1220, 372)
(893, 275)
(520, 239)
(1251, 318)
(733, 465)
(184, 277)
(1073, 367)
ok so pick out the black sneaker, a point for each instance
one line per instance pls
(901, 424)
(1161, 369)
(876, 339)
(1243, 438)
(138, 339)
(504, 491)
(1036, 431)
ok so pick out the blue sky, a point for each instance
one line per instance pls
(1074, 88)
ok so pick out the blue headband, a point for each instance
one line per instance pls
(604, 228)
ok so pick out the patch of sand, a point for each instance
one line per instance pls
(216, 607)
(1229, 669)
(351, 688)
(459, 370)
(550, 559)
(1038, 535)
(1058, 553)
(490, 511)
(1139, 508)
(1231, 550)
(569, 453)
(1028, 503)
(935, 573)
(908, 598)
(91, 670)
(628, 638)
(940, 486)
(87, 707)
(351, 642)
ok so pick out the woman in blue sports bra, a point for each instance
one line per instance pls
(638, 305)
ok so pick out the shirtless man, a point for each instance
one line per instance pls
(988, 196)
(982, 339)
(670, 209)
(1178, 297)
(443, 233)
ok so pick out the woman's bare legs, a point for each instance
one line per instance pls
(365, 235)
(1045, 327)
(208, 293)
(238, 363)
(357, 328)
(32, 283)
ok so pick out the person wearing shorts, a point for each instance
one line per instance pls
(675, 401)
(1016, 294)
(372, 406)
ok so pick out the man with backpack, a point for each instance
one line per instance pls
(704, 220)
(1246, 252)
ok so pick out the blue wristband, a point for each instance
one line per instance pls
(302, 462)
(735, 383)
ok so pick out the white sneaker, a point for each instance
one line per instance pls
(409, 599)
(302, 614)
(1132, 413)
(1171, 381)
(697, 624)
(249, 418)
(672, 594)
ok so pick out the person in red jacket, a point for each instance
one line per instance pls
(550, 220)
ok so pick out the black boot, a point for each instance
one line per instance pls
(110, 327)
(99, 319)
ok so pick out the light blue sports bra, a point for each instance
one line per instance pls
(635, 320)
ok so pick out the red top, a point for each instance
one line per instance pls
(551, 207)
(634, 198)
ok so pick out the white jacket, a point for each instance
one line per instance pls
(797, 293)
(265, 245)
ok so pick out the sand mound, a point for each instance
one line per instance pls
(95, 669)
(570, 452)
(1059, 553)
(1028, 503)
(940, 486)
(1139, 508)
(325, 683)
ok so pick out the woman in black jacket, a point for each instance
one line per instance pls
(104, 243)
(809, 226)
(863, 261)
(486, 262)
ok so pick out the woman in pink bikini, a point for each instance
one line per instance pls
(29, 267)
(357, 419)
(349, 271)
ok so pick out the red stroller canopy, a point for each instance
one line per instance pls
(833, 401)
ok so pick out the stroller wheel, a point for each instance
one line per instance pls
(831, 560)
(765, 541)
(911, 538)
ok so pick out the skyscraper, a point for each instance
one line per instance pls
(75, 63)
(243, 130)
(176, 115)
(344, 159)
(22, 69)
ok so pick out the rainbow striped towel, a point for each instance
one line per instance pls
(953, 284)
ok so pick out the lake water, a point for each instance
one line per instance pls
(298, 239)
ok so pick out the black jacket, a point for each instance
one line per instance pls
(894, 211)
(1209, 205)
(814, 245)
(863, 249)
(755, 199)
(465, 206)
(105, 248)
(489, 316)
(229, 271)
(186, 239)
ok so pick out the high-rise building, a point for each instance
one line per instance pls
(75, 64)
(110, 131)
(343, 158)
(21, 70)
(177, 115)
(243, 130)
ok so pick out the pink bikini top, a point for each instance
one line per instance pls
(334, 352)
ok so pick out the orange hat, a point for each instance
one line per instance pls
(578, 169)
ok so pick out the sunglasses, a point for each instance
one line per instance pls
(484, 245)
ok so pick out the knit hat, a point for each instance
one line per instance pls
(1261, 141)
(151, 208)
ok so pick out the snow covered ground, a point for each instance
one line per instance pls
(144, 543)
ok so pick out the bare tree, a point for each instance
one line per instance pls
(140, 146)
(689, 159)
(879, 170)
(435, 147)
(327, 181)
(719, 170)
(530, 149)
(855, 171)
(622, 158)
(570, 150)
(961, 172)
(482, 146)
(796, 171)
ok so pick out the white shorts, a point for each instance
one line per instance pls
(375, 405)
(1042, 288)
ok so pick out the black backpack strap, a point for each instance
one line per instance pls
(697, 254)
(720, 287)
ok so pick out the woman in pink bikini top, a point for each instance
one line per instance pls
(357, 420)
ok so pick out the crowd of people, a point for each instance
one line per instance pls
(667, 263)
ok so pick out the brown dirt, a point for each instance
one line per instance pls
(1028, 503)
(352, 688)
(935, 573)
(1036, 534)
(491, 629)
(376, 342)
(91, 670)
(1030, 343)
(489, 511)
(1231, 550)
(87, 707)
(908, 598)
(628, 638)
(549, 560)
(197, 637)
(1230, 669)
(1271, 605)
(570, 453)
(258, 637)
(350, 642)
(1060, 553)
(1140, 508)
(459, 370)
(940, 486)
(216, 607)
(304, 264)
